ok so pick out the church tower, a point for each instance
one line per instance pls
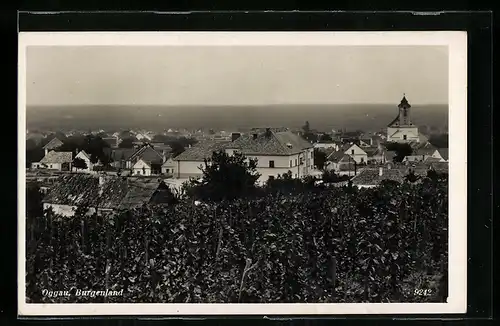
(402, 129)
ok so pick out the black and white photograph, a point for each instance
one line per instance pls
(242, 173)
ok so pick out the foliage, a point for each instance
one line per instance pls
(225, 177)
(401, 149)
(126, 143)
(319, 158)
(439, 140)
(334, 245)
(412, 177)
(79, 163)
(325, 138)
(287, 184)
(332, 177)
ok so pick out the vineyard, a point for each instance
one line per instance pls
(333, 245)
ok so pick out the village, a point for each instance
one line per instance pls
(126, 169)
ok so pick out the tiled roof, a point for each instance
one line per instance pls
(147, 154)
(57, 157)
(53, 144)
(272, 143)
(371, 177)
(336, 156)
(371, 151)
(431, 159)
(116, 192)
(200, 151)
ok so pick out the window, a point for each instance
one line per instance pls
(352, 151)
(137, 172)
(362, 160)
(290, 163)
(295, 161)
(271, 164)
(295, 175)
(404, 137)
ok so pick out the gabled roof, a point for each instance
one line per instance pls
(114, 193)
(57, 157)
(425, 151)
(444, 153)
(200, 151)
(371, 177)
(270, 142)
(147, 154)
(53, 144)
(84, 154)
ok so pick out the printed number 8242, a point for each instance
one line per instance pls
(422, 292)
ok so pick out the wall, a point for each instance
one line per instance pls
(90, 166)
(141, 168)
(359, 155)
(187, 169)
(67, 210)
(410, 132)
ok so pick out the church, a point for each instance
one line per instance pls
(402, 129)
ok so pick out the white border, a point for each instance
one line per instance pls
(457, 45)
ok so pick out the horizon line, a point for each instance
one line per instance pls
(226, 105)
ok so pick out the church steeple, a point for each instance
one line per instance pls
(404, 114)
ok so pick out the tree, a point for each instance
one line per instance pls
(319, 158)
(306, 127)
(411, 177)
(177, 148)
(225, 177)
(126, 143)
(79, 163)
(325, 138)
(439, 140)
(401, 150)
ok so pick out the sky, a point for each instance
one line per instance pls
(243, 75)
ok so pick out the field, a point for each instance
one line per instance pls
(387, 244)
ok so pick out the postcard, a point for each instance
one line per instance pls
(242, 173)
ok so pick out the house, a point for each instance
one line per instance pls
(443, 154)
(86, 158)
(277, 151)
(168, 167)
(339, 161)
(54, 144)
(366, 142)
(59, 161)
(119, 156)
(425, 152)
(189, 163)
(101, 193)
(327, 144)
(356, 152)
(402, 129)
(147, 161)
(372, 177)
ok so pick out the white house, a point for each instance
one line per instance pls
(54, 144)
(60, 161)
(86, 158)
(277, 151)
(141, 168)
(402, 129)
(356, 153)
(168, 167)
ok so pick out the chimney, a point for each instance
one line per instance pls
(380, 172)
(235, 135)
